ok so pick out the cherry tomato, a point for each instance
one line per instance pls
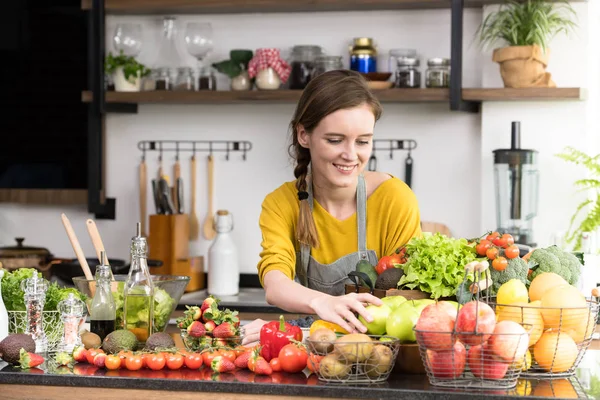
(193, 360)
(275, 364)
(500, 264)
(112, 362)
(91, 353)
(314, 361)
(123, 354)
(509, 239)
(239, 350)
(174, 361)
(511, 251)
(499, 241)
(492, 253)
(228, 354)
(208, 357)
(292, 358)
(133, 362)
(156, 361)
(482, 247)
(492, 236)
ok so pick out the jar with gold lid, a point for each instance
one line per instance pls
(363, 55)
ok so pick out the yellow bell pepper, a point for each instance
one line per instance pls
(326, 324)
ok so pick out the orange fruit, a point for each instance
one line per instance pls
(543, 282)
(526, 315)
(564, 307)
(584, 329)
(555, 352)
(558, 388)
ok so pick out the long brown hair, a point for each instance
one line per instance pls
(325, 94)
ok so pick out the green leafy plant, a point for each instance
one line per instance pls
(592, 220)
(527, 23)
(238, 62)
(131, 67)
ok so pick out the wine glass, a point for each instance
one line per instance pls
(128, 38)
(198, 39)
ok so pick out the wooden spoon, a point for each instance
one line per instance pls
(194, 223)
(96, 239)
(209, 227)
(77, 248)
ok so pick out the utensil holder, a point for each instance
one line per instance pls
(169, 241)
(194, 268)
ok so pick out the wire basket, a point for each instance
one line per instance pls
(205, 342)
(559, 337)
(53, 326)
(368, 360)
(561, 388)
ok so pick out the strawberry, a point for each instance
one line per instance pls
(80, 354)
(221, 364)
(29, 360)
(211, 314)
(219, 342)
(262, 367)
(197, 314)
(196, 329)
(207, 303)
(242, 360)
(225, 330)
(210, 325)
(63, 358)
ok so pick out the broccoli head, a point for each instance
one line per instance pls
(568, 261)
(517, 269)
(546, 261)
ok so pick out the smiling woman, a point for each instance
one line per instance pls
(315, 228)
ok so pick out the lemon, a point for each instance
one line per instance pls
(513, 291)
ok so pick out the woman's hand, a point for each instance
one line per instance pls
(340, 309)
(252, 332)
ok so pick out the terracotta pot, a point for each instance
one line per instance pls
(523, 66)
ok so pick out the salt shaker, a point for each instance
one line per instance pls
(72, 312)
(35, 296)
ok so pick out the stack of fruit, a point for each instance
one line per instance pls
(560, 321)
(208, 326)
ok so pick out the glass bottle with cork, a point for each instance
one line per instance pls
(138, 307)
(103, 309)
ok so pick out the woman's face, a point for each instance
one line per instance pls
(340, 146)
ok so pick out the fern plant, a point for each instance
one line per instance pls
(592, 220)
(526, 23)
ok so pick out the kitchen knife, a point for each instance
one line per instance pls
(165, 194)
(179, 196)
(156, 196)
(408, 163)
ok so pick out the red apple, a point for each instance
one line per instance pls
(451, 308)
(434, 328)
(475, 323)
(447, 363)
(483, 365)
(509, 341)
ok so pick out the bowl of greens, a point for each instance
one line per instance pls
(168, 290)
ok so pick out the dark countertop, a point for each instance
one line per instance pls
(414, 387)
(248, 300)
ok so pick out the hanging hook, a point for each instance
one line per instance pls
(210, 148)
(391, 151)
(193, 150)
(160, 150)
(176, 151)
(143, 152)
(244, 153)
(227, 151)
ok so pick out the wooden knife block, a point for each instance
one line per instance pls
(168, 241)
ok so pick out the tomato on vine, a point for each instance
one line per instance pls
(492, 253)
(511, 251)
(500, 263)
(482, 247)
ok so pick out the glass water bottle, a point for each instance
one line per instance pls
(35, 297)
(138, 307)
(72, 313)
(103, 310)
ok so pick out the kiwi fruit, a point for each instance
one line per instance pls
(321, 341)
(379, 362)
(90, 340)
(354, 347)
(331, 367)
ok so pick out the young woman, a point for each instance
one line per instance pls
(315, 229)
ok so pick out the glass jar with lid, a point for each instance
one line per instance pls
(327, 63)
(407, 73)
(438, 73)
(207, 79)
(302, 63)
(185, 79)
(163, 79)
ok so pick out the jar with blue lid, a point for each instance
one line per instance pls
(363, 55)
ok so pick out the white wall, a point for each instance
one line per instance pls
(452, 163)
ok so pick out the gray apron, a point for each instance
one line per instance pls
(331, 278)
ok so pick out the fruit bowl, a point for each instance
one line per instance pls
(353, 361)
(207, 341)
(171, 288)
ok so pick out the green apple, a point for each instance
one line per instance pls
(380, 315)
(393, 301)
(422, 303)
(402, 320)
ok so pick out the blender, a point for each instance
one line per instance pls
(516, 179)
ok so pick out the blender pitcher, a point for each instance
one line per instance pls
(517, 183)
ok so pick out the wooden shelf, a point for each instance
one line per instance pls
(44, 196)
(525, 94)
(258, 96)
(270, 6)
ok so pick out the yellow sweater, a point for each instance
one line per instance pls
(392, 220)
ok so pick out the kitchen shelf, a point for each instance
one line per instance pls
(271, 6)
(292, 96)
(44, 196)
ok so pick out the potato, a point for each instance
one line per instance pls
(354, 347)
(321, 341)
(331, 367)
(379, 362)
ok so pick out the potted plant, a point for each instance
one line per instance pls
(236, 68)
(591, 221)
(527, 27)
(127, 72)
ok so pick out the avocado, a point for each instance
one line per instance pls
(389, 279)
(159, 340)
(118, 340)
(366, 267)
(10, 347)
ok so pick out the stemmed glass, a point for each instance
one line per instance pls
(128, 38)
(198, 39)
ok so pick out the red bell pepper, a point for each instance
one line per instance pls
(276, 334)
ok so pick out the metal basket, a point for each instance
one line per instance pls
(53, 326)
(559, 337)
(354, 362)
(561, 388)
(205, 342)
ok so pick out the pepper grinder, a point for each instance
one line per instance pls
(35, 296)
(72, 312)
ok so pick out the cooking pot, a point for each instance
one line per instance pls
(67, 269)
